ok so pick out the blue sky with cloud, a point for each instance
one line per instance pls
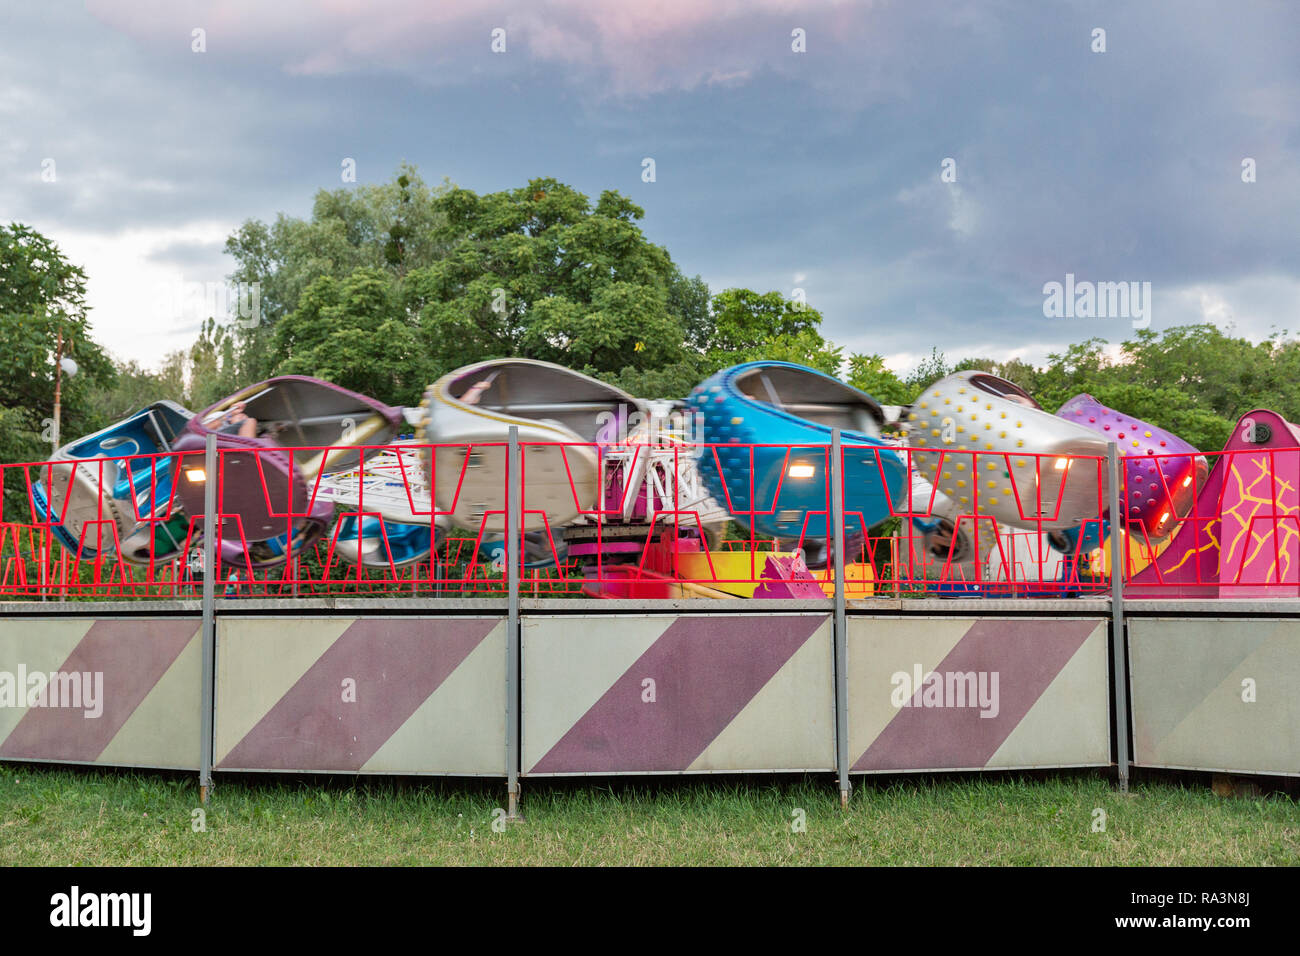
(774, 169)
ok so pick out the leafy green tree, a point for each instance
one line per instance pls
(805, 347)
(1082, 367)
(43, 297)
(1169, 407)
(1194, 380)
(395, 227)
(744, 320)
(541, 272)
(354, 332)
(751, 326)
(868, 373)
(1018, 371)
(1225, 374)
(674, 380)
(214, 370)
(929, 371)
(136, 387)
(689, 300)
(743, 326)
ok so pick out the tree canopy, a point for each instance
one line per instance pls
(43, 297)
(543, 273)
(391, 228)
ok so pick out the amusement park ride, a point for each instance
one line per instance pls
(973, 490)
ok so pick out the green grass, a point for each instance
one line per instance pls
(58, 816)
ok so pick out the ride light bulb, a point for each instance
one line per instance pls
(802, 471)
(1062, 464)
(196, 475)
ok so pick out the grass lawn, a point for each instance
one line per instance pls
(92, 817)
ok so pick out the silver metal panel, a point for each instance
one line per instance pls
(513, 510)
(1278, 607)
(1216, 694)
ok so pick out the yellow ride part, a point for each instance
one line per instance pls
(1140, 554)
(740, 572)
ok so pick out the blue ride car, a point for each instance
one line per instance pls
(779, 417)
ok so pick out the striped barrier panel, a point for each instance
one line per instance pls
(395, 695)
(121, 692)
(666, 693)
(961, 693)
(1216, 694)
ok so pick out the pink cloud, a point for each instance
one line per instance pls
(619, 48)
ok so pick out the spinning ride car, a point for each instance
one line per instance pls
(561, 415)
(277, 439)
(118, 496)
(986, 444)
(768, 427)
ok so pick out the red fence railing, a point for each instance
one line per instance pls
(681, 520)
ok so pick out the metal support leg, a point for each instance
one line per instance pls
(514, 506)
(211, 531)
(841, 623)
(1118, 563)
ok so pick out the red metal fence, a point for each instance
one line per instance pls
(620, 520)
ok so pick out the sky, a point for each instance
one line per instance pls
(922, 171)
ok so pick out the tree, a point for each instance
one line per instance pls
(1168, 406)
(674, 380)
(354, 332)
(750, 326)
(929, 371)
(1017, 371)
(1082, 367)
(742, 326)
(868, 373)
(542, 273)
(136, 387)
(1224, 374)
(1194, 380)
(214, 370)
(805, 347)
(394, 227)
(689, 300)
(43, 297)
(745, 320)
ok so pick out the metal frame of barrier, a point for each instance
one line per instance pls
(646, 693)
(81, 686)
(1215, 685)
(693, 646)
(995, 692)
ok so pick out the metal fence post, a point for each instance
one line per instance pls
(841, 623)
(1118, 563)
(211, 531)
(514, 505)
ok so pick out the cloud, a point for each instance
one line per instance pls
(136, 284)
(944, 203)
(620, 49)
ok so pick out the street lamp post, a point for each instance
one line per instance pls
(61, 365)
